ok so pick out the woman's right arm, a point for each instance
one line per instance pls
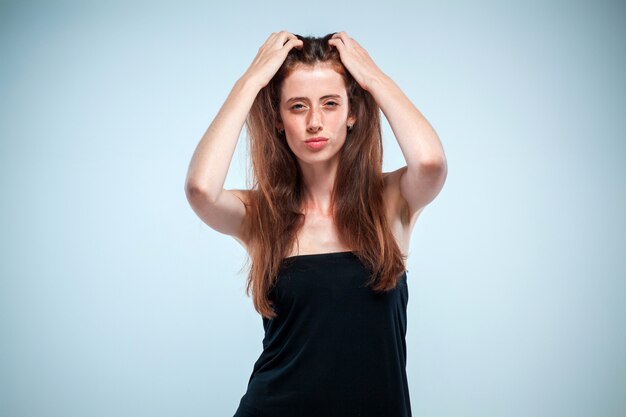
(221, 209)
(224, 210)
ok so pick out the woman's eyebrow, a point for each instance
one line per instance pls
(337, 96)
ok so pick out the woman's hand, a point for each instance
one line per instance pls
(271, 56)
(356, 59)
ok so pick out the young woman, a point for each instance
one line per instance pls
(327, 232)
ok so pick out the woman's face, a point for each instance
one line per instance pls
(314, 103)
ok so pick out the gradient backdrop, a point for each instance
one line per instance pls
(116, 300)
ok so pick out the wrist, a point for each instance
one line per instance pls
(377, 80)
(248, 81)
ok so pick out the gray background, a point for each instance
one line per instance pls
(116, 300)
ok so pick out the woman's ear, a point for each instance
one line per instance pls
(279, 122)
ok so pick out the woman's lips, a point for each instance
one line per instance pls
(316, 144)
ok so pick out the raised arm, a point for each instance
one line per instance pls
(421, 180)
(224, 210)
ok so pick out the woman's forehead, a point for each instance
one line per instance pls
(313, 83)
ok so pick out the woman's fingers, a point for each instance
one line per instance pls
(283, 37)
(293, 43)
(343, 37)
(337, 43)
(271, 55)
(340, 40)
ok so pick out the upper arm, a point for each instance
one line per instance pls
(226, 214)
(407, 197)
(420, 186)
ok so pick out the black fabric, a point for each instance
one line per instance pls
(336, 349)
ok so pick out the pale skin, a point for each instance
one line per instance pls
(407, 190)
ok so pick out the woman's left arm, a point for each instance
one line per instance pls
(426, 168)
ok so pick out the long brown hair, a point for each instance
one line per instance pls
(273, 207)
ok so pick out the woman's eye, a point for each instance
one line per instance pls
(295, 106)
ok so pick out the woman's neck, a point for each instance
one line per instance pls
(318, 183)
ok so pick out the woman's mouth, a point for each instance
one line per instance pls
(316, 144)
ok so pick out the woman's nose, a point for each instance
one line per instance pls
(315, 120)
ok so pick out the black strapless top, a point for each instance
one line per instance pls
(336, 349)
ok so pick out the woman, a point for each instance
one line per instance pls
(326, 230)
